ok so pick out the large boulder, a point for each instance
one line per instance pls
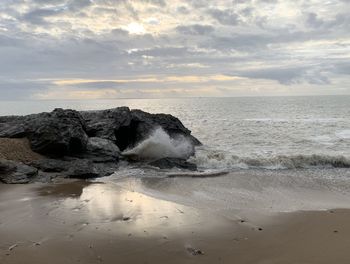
(101, 150)
(58, 133)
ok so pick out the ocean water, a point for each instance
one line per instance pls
(279, 153)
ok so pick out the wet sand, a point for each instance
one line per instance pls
(81, 222)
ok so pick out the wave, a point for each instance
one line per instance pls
(220, 160)
(298, 120)
(160, 145)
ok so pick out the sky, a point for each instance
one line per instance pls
(92, 49)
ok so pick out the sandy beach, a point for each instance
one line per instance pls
(82, 222)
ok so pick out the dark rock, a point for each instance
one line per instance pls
(169, 163)
(142, 124)
(101, 150)
(65, 132)
(16, 172)
(51, 165)
(72, 167)
(86, 144)
(103, 123)
(106, 169)
(12, 126)
(58, 133)
(82, 169)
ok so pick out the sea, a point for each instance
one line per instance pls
(272, 153)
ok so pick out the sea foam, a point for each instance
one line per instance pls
(160, 145)
(209, 159)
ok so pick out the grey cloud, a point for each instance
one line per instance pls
(97, 85)
(340, 20)
(161, 3)
(51, 2)
(195, 29)
(231, 36)
(290, 75)
(183, 10)
(164, 52)
(198, 3)
(38, 16)
(225, 17)
(6, 41)
(78, 4)
(342, 68)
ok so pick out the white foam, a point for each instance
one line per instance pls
(160, 145)
(211, 159)
(344, 134)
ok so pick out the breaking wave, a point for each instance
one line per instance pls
(220, 160)
(160, 145)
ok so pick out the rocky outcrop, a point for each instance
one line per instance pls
(84, 144)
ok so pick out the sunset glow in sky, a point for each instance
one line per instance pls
(88, 49)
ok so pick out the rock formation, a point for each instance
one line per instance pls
(84, 144)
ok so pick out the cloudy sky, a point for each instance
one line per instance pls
(86, 49)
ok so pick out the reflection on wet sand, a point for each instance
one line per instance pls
(89, 222)
(81, 222)
(105, 203)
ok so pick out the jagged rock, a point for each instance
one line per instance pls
(58, 133)
(169, 163)
(16, 172)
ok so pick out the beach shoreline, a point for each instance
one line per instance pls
(93, 222)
